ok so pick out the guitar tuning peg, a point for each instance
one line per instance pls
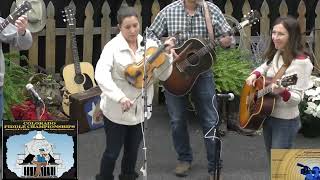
(64, 20)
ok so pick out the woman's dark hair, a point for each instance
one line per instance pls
(294, 46)
(124, 12)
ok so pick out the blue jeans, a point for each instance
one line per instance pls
(1, 105)
(118, 136)
(280, 133)
(202, 94)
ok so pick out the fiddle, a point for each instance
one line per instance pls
(134, 73)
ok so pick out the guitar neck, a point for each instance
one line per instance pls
(216, 42)
(7, 21)
(75, 52)
(264, 91)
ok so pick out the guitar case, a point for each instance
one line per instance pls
(85, 108)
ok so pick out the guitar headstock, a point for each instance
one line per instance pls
(69, 16)
(22, 9)
(289, 80)
(251, 18)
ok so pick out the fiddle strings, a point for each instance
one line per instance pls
(151, 81)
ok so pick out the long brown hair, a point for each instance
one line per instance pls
(294, 45)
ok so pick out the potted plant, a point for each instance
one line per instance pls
(310, 110)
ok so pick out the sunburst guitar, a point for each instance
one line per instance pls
(257, 102)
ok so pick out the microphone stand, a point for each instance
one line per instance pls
(145, 106)
(218, 162)
(217, 141)
(37, 104)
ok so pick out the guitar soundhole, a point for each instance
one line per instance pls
(79, 79)
(193, 59)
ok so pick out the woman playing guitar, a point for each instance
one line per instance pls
(285, 53)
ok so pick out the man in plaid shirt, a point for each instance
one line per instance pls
(187, 17)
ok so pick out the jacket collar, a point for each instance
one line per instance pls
(125, 45)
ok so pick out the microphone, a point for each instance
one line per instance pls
(230, 96)
(34, 92)
(143, 42)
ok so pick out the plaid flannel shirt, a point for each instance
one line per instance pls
(174, 18)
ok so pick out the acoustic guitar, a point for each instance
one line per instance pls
(195, 56)
(78, 76)
(256, 103)
(22, 9)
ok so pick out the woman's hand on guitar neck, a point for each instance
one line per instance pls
(251, 80)
(276, 89)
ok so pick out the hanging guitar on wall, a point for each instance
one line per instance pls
(78, 76)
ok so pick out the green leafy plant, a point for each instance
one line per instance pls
(231, 69)
(16, 78)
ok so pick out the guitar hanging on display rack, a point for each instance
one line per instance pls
(78, 76)
(195, 56)
(256, 103)
(22, 9)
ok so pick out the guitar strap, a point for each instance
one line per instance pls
(280, 73)
(208, 21)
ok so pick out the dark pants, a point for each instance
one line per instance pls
(118, 135)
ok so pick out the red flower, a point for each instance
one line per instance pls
(27, 111)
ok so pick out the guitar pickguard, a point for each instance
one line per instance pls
(88, 82)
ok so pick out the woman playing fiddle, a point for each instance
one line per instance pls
(123, 114)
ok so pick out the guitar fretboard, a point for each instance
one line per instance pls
(6, 22)
(264, 91)
(23, 8)
(75, 52)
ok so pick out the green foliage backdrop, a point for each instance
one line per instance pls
(232, 67)
(16, 77)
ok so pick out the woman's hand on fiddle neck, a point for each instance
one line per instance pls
(169, 43)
